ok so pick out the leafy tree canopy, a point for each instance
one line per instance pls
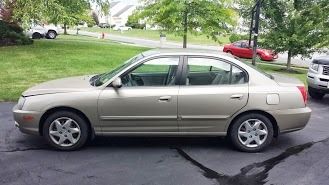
(298, 27)
(210, 17)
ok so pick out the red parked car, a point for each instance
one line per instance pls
(241, 49)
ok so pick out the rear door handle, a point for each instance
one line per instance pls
(164, 98)
(237, 96)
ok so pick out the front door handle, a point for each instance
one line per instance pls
(237, 96)
(165, 99)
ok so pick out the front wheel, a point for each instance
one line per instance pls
(36, 36)
(251, 132)
(65, 130)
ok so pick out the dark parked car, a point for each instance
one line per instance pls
(242, 49)
(105, 25)
(318, 77)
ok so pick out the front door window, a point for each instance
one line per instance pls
(155, 72)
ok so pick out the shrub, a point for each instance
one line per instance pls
(137, 25)
(12, 34)
(236, 37)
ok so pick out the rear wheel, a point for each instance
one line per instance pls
(65, 130)
(314, 94)
(251, 132)
(51, 34)
(259, 57)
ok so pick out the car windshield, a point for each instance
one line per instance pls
(100, 79)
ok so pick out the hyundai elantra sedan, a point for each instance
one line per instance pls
(166, 93)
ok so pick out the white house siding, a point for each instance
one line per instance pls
(119, 13)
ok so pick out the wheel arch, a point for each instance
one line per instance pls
(91, 133)
(36, 33)
(53, 31)
(269, 116)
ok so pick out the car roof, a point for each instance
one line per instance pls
(186, 51)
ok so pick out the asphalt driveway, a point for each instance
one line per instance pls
(296, 158)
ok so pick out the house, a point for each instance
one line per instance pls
(118, 15)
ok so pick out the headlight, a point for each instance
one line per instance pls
(314, 66)
(20, 103)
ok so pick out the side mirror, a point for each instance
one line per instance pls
(117, 83)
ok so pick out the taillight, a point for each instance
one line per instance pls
(303, 91)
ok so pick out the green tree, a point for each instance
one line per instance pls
(95, 17)
(105, 7)
(68, 12)
(134, 20)
(210, 17)
(298, 27)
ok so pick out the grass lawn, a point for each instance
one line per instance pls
(24, 66)
(297, 73)
(155, 35)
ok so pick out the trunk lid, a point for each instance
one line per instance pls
(287, 81)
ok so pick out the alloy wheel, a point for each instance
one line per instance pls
(64, 131)
(252, 133)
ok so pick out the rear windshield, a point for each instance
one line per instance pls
(259, 70)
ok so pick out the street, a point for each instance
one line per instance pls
(298, 61)
(294, 158)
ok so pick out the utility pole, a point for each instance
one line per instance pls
(254, 27)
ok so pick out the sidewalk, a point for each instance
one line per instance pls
(297, 61)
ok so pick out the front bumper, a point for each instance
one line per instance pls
(291, 119)
(318, 82)
(27, 121)
(269, 57)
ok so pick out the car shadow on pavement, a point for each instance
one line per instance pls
(159, 142)
(323, 101)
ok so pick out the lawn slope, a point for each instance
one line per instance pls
(24, 66)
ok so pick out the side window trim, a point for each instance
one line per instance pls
(178, 72)
(185, 63)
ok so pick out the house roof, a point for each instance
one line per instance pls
(123, 10)
(112, 4)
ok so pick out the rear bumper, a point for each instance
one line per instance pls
(291, 119)
(27, 121)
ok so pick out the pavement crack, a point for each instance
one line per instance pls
(255, 173)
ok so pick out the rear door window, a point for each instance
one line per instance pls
(209, 71)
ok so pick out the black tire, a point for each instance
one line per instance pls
(315, 95)
(233, 132)
(259, 57)
(51, 34)
(36, 36)
(78, 119)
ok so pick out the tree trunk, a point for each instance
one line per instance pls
(185, 27)
(289, 61)
(65, 31)
(185, 39)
